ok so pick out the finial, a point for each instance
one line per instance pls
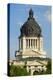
(31, 13)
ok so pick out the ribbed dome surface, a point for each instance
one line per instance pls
(31, 28)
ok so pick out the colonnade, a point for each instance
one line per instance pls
(31, 43)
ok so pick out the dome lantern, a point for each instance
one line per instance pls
(30, 13)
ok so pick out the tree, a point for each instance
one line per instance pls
(48, 71)
(18, 71)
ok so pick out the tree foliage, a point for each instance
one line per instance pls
(18, 71)
(48, 71)
(22, 71)
(49, 67)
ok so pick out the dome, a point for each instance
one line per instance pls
(30, 28)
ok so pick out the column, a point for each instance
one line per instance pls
(32, 70)
(30, 43)
(20, 43)
(36, 43)
(41, 43)
(27, 69)
(33, 43)
(24, 43)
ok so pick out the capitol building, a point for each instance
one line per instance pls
(31, 45)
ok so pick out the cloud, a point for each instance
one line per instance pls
(48, 15)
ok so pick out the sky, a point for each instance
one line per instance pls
(19, 14)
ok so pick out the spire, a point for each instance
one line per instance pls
(30, 13)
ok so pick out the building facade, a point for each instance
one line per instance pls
(31, 45)
(30, 39)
